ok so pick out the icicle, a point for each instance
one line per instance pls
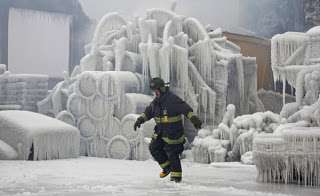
(145, 63)
(119, 50)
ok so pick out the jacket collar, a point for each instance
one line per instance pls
(163, 96)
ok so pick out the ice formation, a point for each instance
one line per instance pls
(234, 134)
(7, 152)
(291, 153)
(45, 137)
(21, 91)
(105, 94)
(272, 101)
(294, 55)
(111, 82)
(290, 157)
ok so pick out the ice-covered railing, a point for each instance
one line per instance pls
(292, 52)
(307, 115)
(290, 157)
(306, 108)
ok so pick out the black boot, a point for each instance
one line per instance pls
(176, 179)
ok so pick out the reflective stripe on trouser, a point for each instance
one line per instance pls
(165, 164)
(162, 152)
(176, 174)
(156, 148)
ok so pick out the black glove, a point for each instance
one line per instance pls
(138, 123)
(196, 122)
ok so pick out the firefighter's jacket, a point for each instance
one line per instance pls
(167, 112)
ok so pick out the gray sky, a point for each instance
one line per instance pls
(38, 41)
(217, 13)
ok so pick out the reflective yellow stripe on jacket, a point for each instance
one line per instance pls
(154, 136)
(191, 114)
(169, 120)
(144, 116)
(178, 141)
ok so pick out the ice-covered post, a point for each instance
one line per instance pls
(3, 68)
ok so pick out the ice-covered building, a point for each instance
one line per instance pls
(202, 66)
(284, 145)
(291, 153)
(104, 95)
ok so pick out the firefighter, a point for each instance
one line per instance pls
(168, 138)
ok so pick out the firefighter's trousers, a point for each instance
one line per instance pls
(165, 153)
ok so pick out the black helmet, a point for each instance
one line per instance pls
(156, 83)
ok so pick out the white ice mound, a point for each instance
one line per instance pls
(47, 138)
(7, 152)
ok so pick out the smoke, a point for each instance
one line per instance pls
(217, 13)
(38, 42)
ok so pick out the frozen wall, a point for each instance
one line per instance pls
(290, 157)
(22, 91)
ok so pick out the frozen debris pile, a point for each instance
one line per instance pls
(290, 157)
(284, 146)
(291, 153)
(296, 58)
(38, 137)
(97, 101)
(207, 149)
(307, 115)
(21, 91)
(272, 101)
(234, 135)
(179, 50)
(203, 67)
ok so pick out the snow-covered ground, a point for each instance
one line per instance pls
(102, 176)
